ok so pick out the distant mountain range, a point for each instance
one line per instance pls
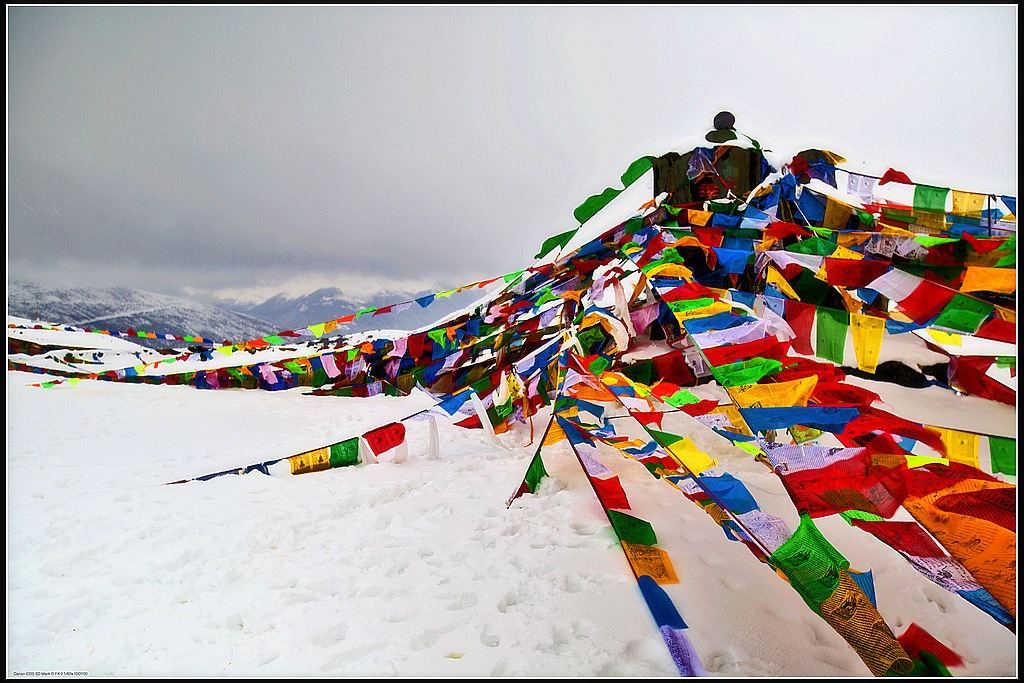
(121, 308)
(330, 303)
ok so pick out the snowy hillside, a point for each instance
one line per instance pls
(121, 308)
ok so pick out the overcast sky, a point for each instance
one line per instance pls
(235, 149)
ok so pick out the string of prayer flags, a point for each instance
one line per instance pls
(985, 548)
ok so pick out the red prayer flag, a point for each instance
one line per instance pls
(769, 347)
(850, 273)
(907, 538)
(969, 372)
(782, 230)
(800, 317)
(998, 329)
(711, 237)
(858, 483)
(385, 438)
(894, 176)
(926, 301)
(610, 493)
(916, 639)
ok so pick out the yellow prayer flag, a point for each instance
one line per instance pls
(837, 214)
(671, 270)
(700, 218)
(650, 561)
(554, 435)
(968, 204)
(922, 460)
(778, 395)
(311, 461)
(687, 453)
(775, 279)
(691, 242)
(712, 309)
(979, 279)
(738, 424)
(867, 332)
(894, 230)
(848, 254)
(946, 337)
(853, 239)
(960, 446)
(299, 464)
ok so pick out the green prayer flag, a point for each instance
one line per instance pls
(1006, 361)
(345, 452)
(690, 304)
(440, 336)
(932, 240)
(931, 666)
(585, 211)
(832, 328)
(535, 472)
(811, 563)
(851, 515)
(640, 372)
(559, 240)
(1004, 455)
(636, 171)
(964, 313)
(274, 340)
(632, 530)
(932, 199)
(633, 225)
(545, 297)
(1009, 245)
(812, 245)
(664, 438)
(744, 372)
(810, 289)
(683, 397)
(371, 309)
(599, 365)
